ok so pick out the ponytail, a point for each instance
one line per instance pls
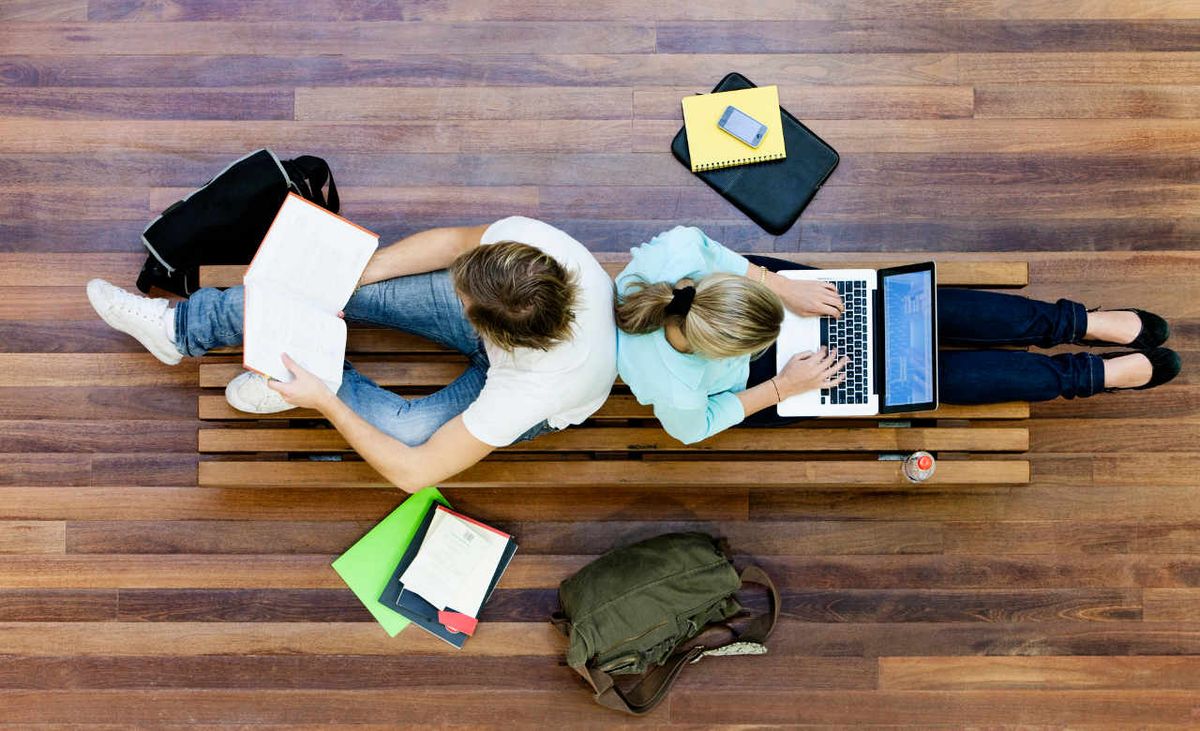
(730, 315)
(643, 308)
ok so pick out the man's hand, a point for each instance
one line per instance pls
(304, 390)
(811, 298)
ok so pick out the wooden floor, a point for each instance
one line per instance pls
(1064, 128)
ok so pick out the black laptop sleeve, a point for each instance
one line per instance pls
(772, 194)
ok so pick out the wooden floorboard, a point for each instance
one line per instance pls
(142, 586)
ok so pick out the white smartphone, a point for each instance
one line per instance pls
(742, 126)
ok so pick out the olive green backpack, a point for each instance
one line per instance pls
(633, 610)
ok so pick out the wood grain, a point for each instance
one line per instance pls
(649, 439)
(1039, 673)
(281, 38)
(147, 103)
(34, 537)
(905, 35)
(355, 672)
(44, 10)
(399, 103)
(234, 138)
(659, 474)
(469, 10)
(976, 639)
(57, 605)
(1171, 605)
(1046, 145)
(190, 639)
(76, 369)
(1079, 68)
(618, 407)
(974, 707)
(700, 72)
(257, 503)
(1069, 101)
(952, 271)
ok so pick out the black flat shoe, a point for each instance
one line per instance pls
(1154, 332)
(1164, 363)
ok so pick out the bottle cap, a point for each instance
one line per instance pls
(924, 462)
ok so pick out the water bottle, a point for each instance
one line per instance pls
(919, 466)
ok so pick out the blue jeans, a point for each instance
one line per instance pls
(979, 319)
(420, 304)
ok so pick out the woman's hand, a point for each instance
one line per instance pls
(811, 370)
(304, 390)
(811, 298)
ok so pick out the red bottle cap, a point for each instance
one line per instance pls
(924, 462)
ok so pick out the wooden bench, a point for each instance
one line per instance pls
(622, 444)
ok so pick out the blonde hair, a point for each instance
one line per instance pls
(518, 296)
(730, 315)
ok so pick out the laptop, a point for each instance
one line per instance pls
(889, 332)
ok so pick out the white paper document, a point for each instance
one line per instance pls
(305, 270)
(455, 563)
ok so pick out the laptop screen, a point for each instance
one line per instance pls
(909, 343)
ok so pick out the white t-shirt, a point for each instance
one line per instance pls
(567, 383)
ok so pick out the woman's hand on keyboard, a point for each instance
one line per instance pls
(811, 298)
(811, 370)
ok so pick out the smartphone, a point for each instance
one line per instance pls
(742, 126)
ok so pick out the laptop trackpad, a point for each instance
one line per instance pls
(798, 334)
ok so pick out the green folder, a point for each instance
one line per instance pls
(368, 565)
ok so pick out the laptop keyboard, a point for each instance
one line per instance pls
(849, 335)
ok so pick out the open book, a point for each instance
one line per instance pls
(304, 273)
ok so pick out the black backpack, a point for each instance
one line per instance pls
(226, 219)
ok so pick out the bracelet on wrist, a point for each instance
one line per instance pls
(775, 385)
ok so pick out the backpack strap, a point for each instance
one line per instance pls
(316, 173)
(653, 687)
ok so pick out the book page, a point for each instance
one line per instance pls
(313, 253)
(277, 322)
(455, 563)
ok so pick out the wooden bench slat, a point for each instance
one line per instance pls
(413, 374)
(390, 373)
(951, 272)
(815, 439)
(601, 473)
(214, 408)
(382, 342)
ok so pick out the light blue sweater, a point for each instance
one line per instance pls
(693, 396)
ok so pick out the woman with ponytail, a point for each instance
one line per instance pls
(697, 324)
(691, 316)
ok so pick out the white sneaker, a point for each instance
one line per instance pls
(135, 315)
(249, 392)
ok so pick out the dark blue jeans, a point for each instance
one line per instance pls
(979, 320)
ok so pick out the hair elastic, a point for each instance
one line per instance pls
(681, 302)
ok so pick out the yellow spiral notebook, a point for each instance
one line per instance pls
(711, 147)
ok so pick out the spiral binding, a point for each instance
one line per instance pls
(739, 161)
